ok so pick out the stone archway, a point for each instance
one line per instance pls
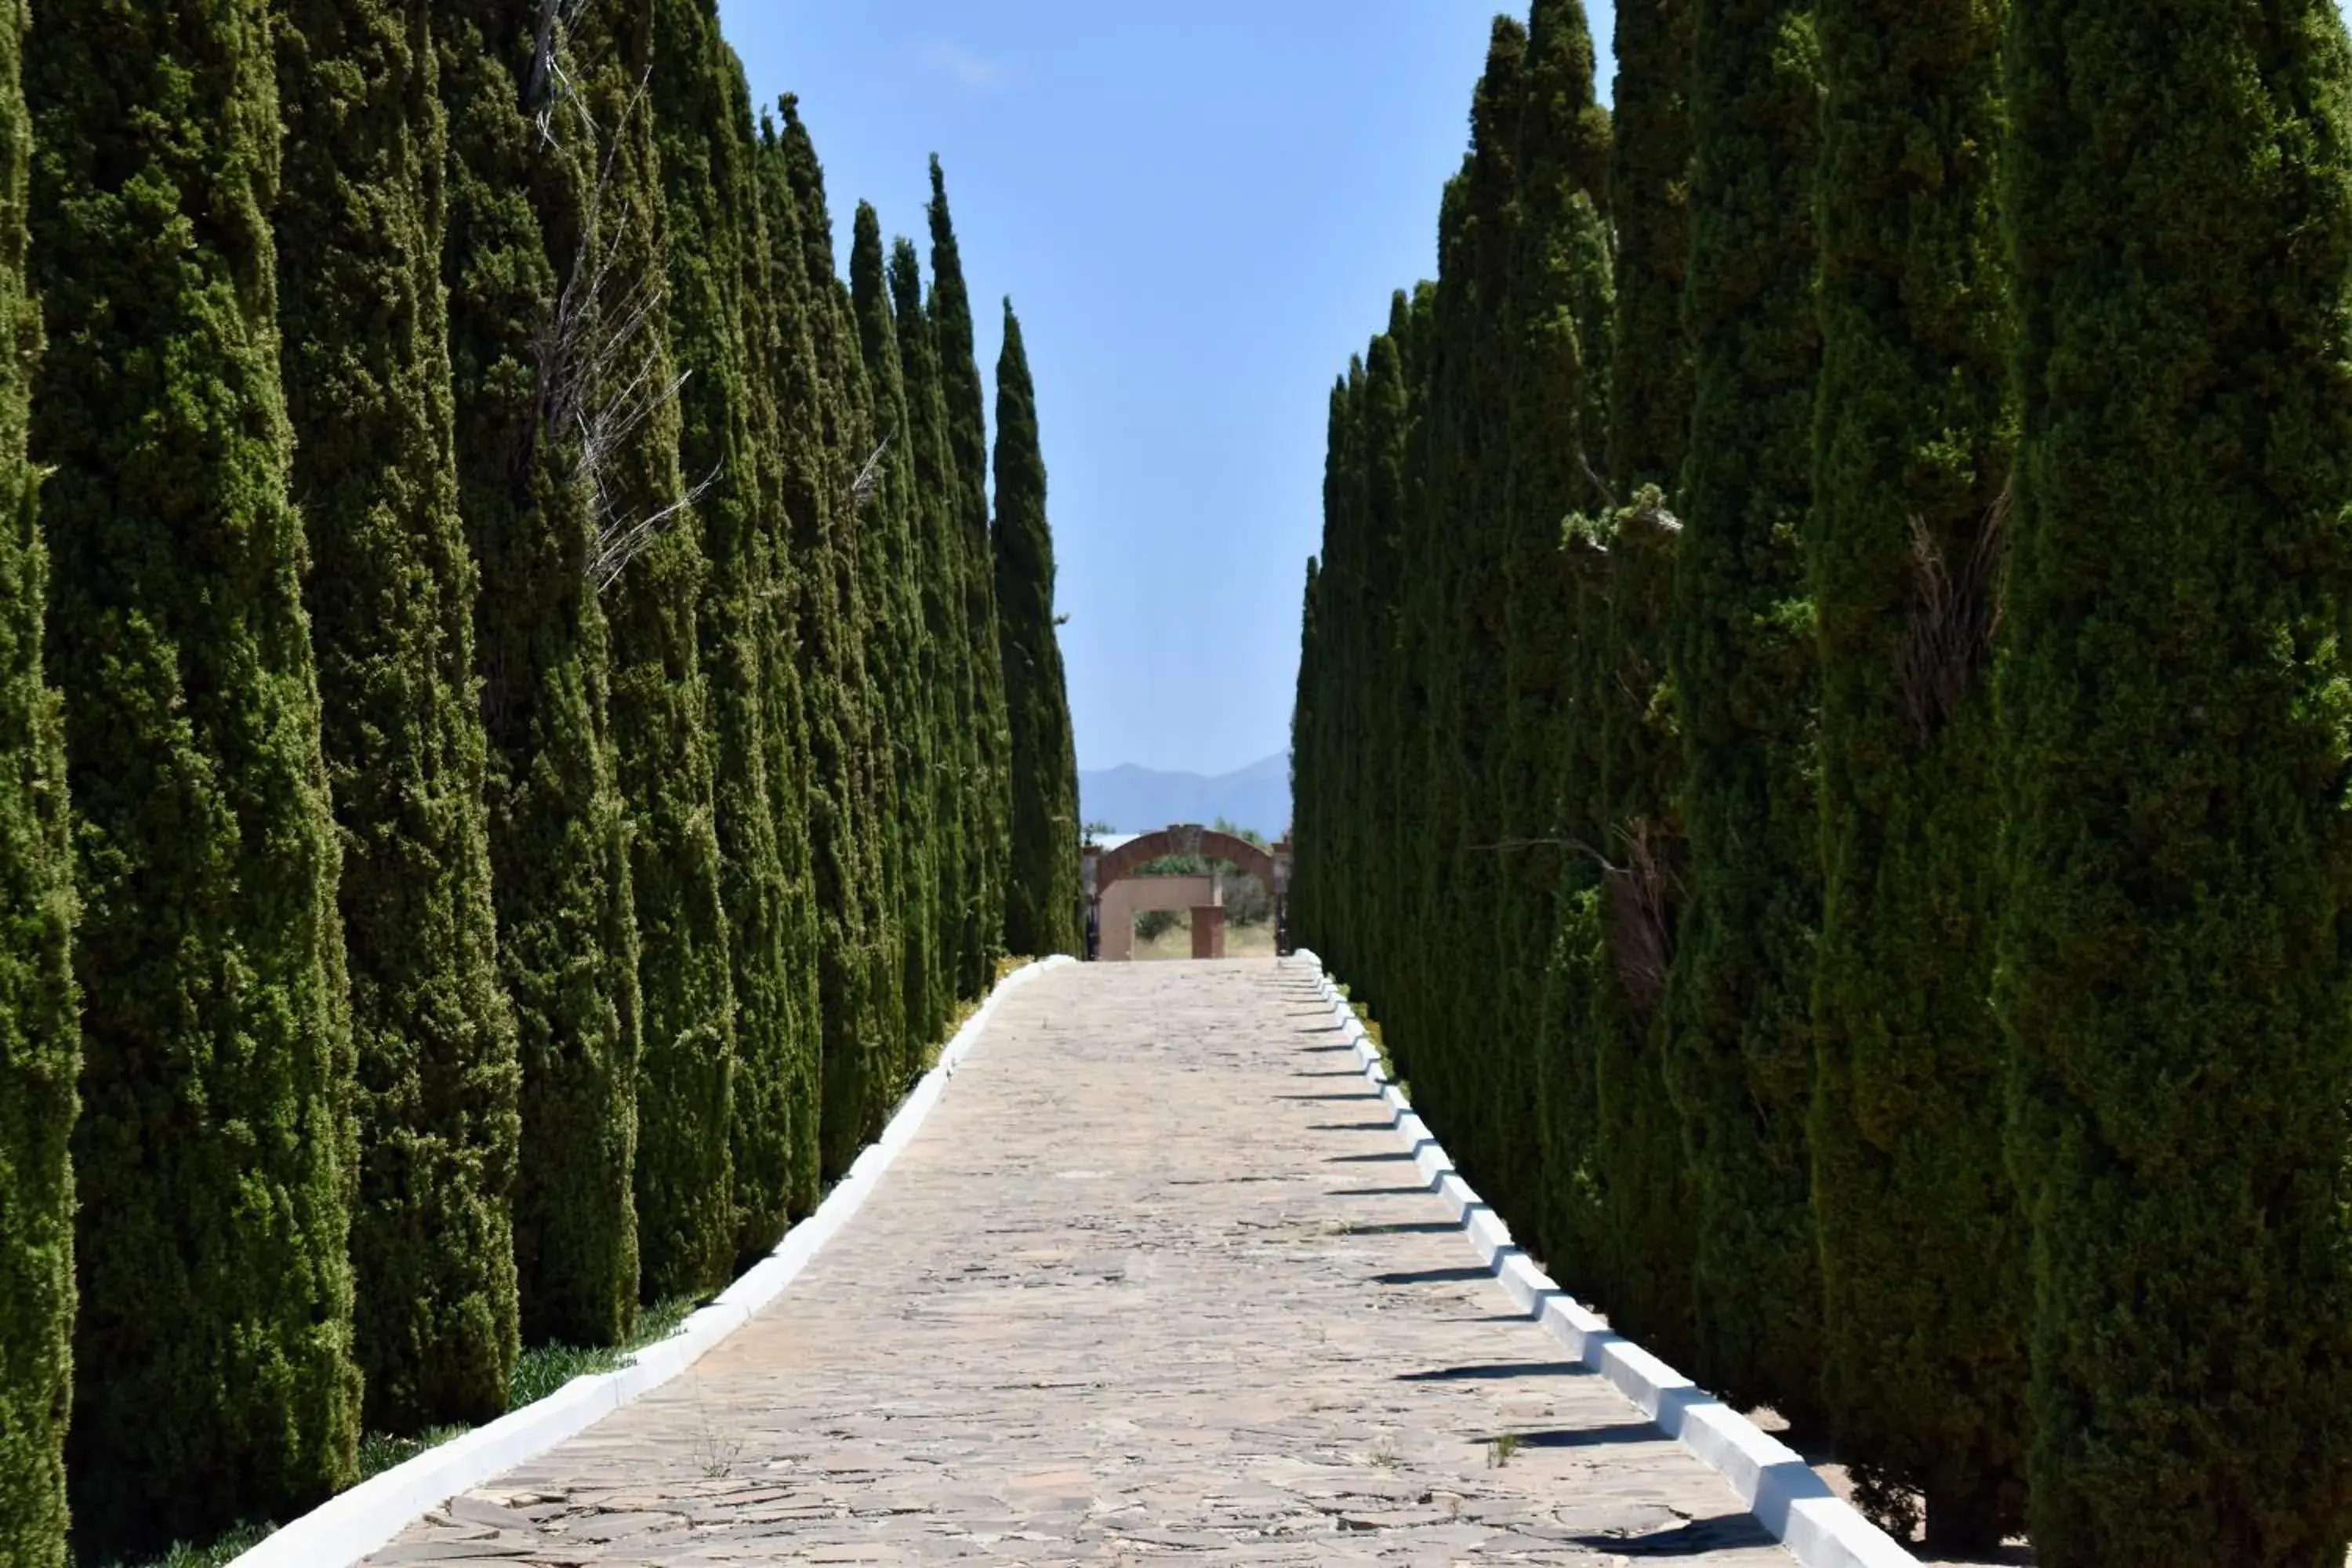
(1099, 868)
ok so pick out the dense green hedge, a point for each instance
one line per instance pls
(519, 217)
(391, 591)
(1923, 1263)
(486, 669)
(214, 1156)
(1738, 1038)
(1912, 765)
(2172, 967)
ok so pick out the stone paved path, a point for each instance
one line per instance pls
(1154, 1284)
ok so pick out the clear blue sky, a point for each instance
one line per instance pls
(1199, 211)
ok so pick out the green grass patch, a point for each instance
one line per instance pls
(379, 1452)
(225, 1550)
(542, 1369)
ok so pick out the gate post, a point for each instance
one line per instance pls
(1088, 874)
(1282, 899)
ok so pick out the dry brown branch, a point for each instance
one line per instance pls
(861, 491)
(620, 541)
(1639, 913)
(1954, 620)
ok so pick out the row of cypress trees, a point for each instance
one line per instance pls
(1823, 725)
(508, 746)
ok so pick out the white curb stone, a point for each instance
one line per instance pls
(347, 1528)
(1819, 1529)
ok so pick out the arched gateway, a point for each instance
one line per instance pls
(1100, 867)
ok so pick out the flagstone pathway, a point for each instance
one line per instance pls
(1153, 1284)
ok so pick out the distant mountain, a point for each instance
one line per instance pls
(1139, 800)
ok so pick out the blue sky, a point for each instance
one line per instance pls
(1199, 221)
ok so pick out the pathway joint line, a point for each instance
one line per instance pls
(1783, 1493)
(347, 1528)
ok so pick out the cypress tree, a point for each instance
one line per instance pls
(2173, 707)
(913, 660)
(391, 601)
(1638, 1153)
(776, 1050)
(1556, 307)
(1921, 1248)
(655, 574)
(1741, 1048)
(1646, 1199)
(1320, 753)
(1381, 446)
(1309, 765)
(1472, 1087)
(1041, 890)
(39, 1027)
(1650, 174)
(717, 246)
(213, 1378)
(1353, 655)
(866, 608)
(797, 701)
(1407, 968)
(859, 1057)
(990, 808)
(520, 222)
(955, 824)
(857, 449)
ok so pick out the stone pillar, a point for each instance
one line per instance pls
(1090, 885)
(1281, 891)
(1207, 931)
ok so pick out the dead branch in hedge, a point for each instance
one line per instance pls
(1954, 620)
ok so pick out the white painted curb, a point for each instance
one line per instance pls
(347, 1528)
(1818, 1528)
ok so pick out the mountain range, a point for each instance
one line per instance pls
(1139, 800)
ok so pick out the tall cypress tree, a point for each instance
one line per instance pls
(1645, 1198)
(1309, 766)
(862, 546)
(213, 1377)
(859, 1060)
(773, 1116)
(877, 604)
(716, 250)
(1556, 307)
(519, 223)
(392, 602)
(967, 431)
(2174, 708)
(1740, 1047)
(39, 1026)
(1406, 970)
(1472, 1081)
(798, 700)
(1922, 1259)
(1321, 894)
(956, 825)
(913, 662)
(1381, 438)
(654, 574)
(1041, 900)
